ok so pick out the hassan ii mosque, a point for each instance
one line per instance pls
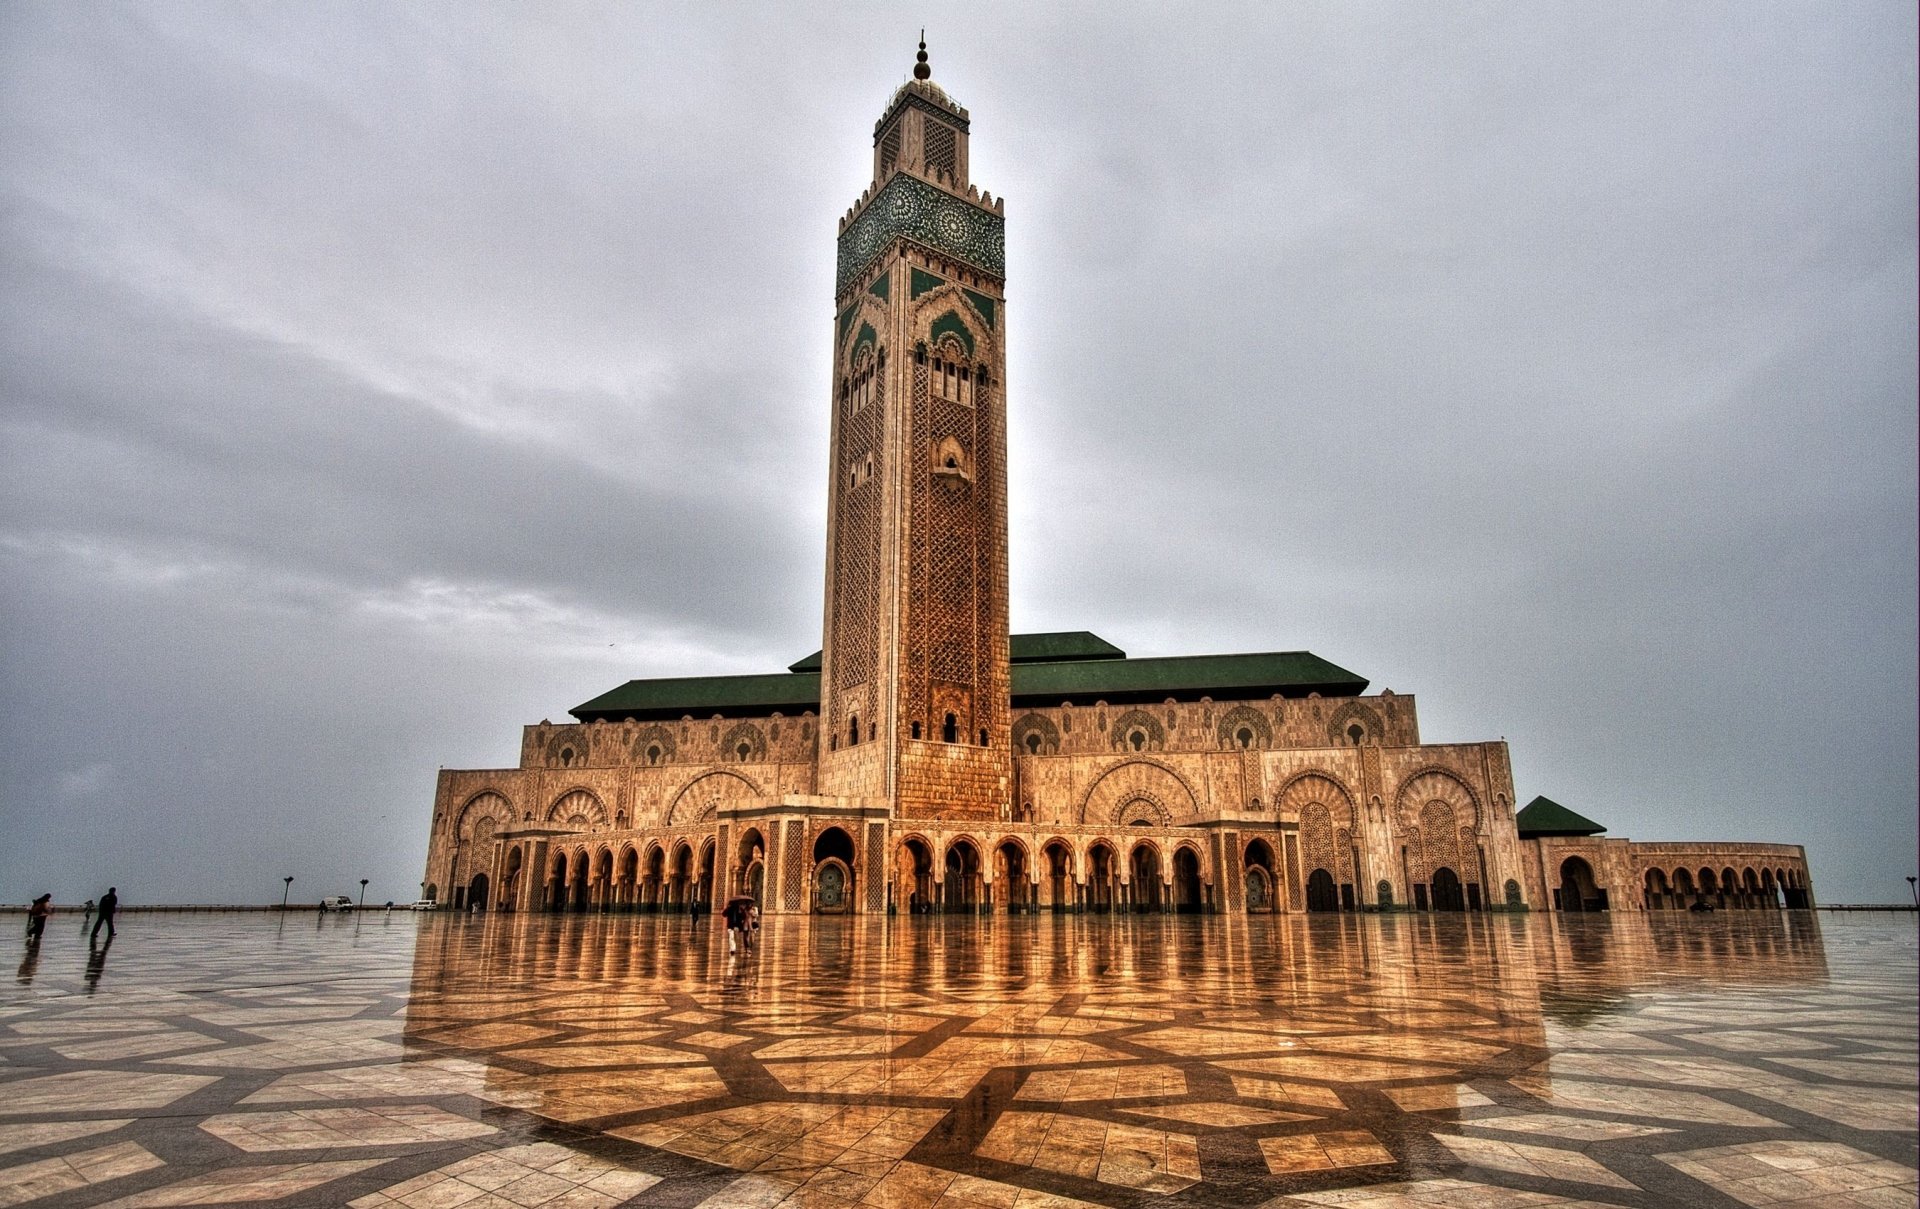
(924, 759)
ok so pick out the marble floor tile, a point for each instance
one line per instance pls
(1388, 1062)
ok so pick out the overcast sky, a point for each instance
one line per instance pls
(379, 378)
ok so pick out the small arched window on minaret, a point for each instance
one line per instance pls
(856, 390)
(853, 730)
(952, 380)
(950, 730)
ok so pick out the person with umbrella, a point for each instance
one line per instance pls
(735, 913)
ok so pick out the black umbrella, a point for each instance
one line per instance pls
(739, 900)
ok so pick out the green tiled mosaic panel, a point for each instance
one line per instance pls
(912, 208)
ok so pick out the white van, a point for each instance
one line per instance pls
(336, 902)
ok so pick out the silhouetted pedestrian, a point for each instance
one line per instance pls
(694, 910)
(109, 903)
(37, 917)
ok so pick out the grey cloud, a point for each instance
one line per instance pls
(379, 380)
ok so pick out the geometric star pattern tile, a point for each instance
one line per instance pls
(1390, 1062)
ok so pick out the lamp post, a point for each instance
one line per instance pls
(288, 879)
(363, 893)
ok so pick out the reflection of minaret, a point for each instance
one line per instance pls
(914, 686)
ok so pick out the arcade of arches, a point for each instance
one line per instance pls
(827, 864)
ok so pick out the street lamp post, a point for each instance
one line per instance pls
(288, 879)
(363, 892)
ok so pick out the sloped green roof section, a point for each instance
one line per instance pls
(1048, 669)
(1544, 816)
(1026, 648)
(1061, 644)
(704, 696)
(1184, 678)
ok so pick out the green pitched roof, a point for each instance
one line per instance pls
(1544, 816)
(1184, 677)
(704, 696)
(1026, 648)
(1047, 669)
(1061, 644)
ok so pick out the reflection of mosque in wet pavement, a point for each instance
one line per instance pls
(1373, 1061)
(1229, 1059)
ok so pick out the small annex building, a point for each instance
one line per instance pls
(925, 759)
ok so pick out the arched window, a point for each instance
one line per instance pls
(916, 730)
(950, 730)
(853, 730)
(1244, 736)
(1033, 742)
(566, 757)
(983, 736)
(1356, 733)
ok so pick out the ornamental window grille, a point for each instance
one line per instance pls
(941, 150)
(889, 149)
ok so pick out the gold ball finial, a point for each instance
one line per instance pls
(920, 69)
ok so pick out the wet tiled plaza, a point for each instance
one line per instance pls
(381, 1060)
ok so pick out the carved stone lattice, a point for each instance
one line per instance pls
(856, 563)
(1258, 731)
(1035, 734)
(875, 870)
(653, 744)
(1437, 839)
(744, 742)
(1137, 730)
(792, 876)
(1235, 856)
(1316, 838)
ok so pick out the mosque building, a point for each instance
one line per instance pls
(925, 759)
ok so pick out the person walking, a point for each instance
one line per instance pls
(735, 915)
(752, 928)
(37, 918)
(694, 911)
(109, 903)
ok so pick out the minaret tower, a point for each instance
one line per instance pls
(914, 685)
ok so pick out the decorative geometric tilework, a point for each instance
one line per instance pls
(909, 207)
(792, 877)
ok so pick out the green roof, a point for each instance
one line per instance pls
(1026, 648)
(1544, 816)
(1061, 644)
(1184, 677)
(1041, 676)
(704, 696)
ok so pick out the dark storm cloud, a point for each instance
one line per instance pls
(378, 380)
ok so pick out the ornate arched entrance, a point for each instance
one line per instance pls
(1188, 894)
(1447, 892)
(1577, 891)
(1322, 894)
(833, 872)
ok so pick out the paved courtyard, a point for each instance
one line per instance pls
(435, 1061)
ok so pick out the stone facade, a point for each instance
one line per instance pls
(916, 777)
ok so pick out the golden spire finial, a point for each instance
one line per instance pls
(920, 69)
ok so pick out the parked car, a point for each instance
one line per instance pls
(425, 904)
(337, 902)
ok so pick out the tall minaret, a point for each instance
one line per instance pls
(914, 689)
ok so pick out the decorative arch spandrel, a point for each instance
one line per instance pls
(1148, 780)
